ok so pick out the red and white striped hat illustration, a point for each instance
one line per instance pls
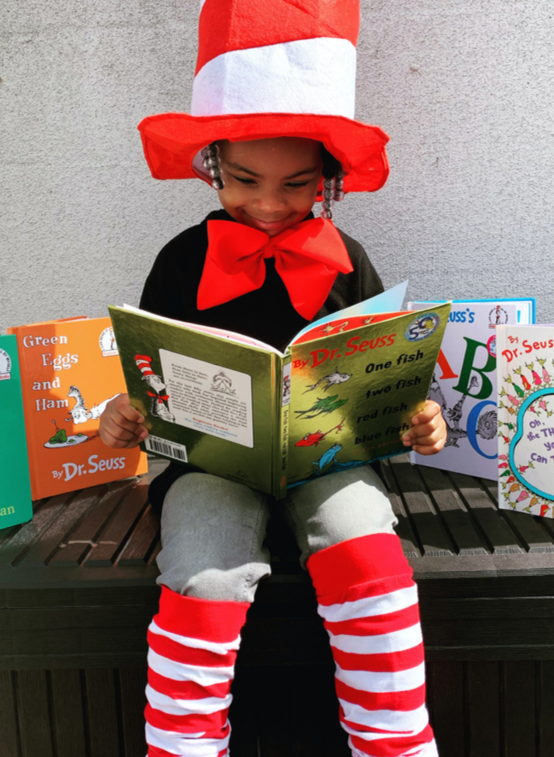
(271, 68)
(143, 364)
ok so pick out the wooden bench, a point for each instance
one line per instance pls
(77, 591)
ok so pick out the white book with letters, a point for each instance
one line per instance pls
(464, 383)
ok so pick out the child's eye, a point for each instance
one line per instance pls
(297, 184)
(243, 180)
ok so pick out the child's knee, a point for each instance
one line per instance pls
(338, 508)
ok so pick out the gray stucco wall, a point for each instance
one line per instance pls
(463, 87)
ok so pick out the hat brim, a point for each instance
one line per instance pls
(172, 140)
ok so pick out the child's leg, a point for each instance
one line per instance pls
(211, 562)
(344, 527)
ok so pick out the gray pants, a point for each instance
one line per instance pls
(213, 530)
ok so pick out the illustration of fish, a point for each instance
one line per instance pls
(329, 328)
(332, 380)
(323, 405)
(327, 458)
(313, 439)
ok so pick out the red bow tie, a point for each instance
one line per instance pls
(308, 257)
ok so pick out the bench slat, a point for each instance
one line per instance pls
(79, 542)
(102, 713)
(132, 682)
(445, 700)
(142, 540)
(426, 524)
(8, 716)
(483, 708)
(500, 537)
(51, 538)
(466, 537)
(116, 532)
(68, 713)
(545, 695)
(520, 706)
(32, 705)
(46, 512)
(530, 529)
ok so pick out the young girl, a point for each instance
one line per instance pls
(213, 554)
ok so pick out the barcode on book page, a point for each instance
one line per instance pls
(163, 447)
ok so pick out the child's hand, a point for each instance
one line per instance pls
(428, 435)
(121, 425)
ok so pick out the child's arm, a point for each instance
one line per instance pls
(121, 425)
(428, 434)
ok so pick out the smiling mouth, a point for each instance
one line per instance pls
(267, 224)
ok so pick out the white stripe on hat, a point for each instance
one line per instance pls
(304, 76)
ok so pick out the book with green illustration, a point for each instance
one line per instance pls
(341, 395)
(15, 495)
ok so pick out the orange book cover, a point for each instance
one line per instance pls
(70, 370)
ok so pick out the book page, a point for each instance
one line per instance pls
(208, 398)
(354, 393)
(389, 301)
(213, 330)
(208, 401)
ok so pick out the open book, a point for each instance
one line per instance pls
(341, 395)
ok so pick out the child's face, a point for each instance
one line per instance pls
(270, 184)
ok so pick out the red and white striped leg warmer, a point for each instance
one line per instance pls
(193, 646)
(370, 609)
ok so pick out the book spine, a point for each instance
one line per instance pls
(282, 403)
(27, 403)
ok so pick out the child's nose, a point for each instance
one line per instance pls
(270, 201)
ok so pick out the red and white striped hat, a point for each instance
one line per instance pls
(143, 364)
(271, 68)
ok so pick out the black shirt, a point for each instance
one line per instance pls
(266, 314)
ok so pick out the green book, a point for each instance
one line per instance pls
(15, 492)
(341, 395)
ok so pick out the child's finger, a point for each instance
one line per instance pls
(122, 422)
(430, 411)
(431, 449)
(130, 413)
(112, 441)
(124, 434)
(429, 439)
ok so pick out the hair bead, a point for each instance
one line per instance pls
(211, 162)
(339, 186)
(328, 198)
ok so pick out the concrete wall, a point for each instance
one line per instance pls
(463, 87)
